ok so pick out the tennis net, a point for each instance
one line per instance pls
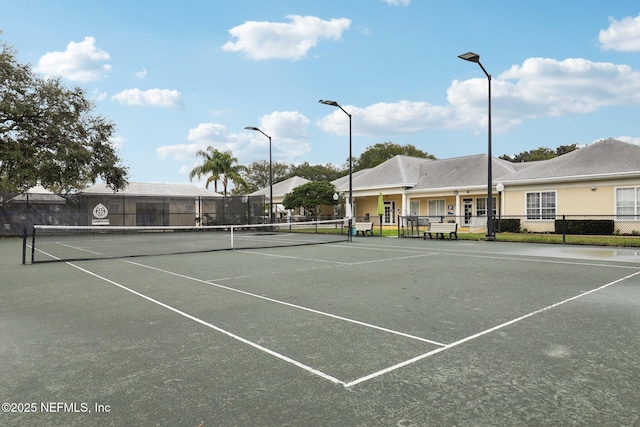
(73, 243)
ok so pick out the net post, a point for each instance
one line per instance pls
(33, 244)
(350, 229)
(24, 245)
(231, 227)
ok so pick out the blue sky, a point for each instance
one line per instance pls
(176, 77)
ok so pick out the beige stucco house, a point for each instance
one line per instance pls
(602, 178)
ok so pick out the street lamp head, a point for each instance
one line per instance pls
(326, 102)
(257, 130)
(470, 56)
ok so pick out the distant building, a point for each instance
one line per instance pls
(602, 178)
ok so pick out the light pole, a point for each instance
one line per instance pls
(350, 211)
(474, 57)
(270, 173)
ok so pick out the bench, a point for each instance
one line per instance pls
(440, 228)
(364, 228)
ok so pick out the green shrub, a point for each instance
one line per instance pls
(585, 226)
(507, 225)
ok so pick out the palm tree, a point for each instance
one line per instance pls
(222, 166)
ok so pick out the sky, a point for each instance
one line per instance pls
(178, 77)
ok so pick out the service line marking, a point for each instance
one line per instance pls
(479, 334)
(216, 328)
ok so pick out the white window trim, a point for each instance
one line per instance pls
(494, 206)
(412, 202)
(555, 197)
(444, 208)
(621, 217)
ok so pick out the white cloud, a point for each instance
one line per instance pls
(288, 131)
(80, 62)
(397, 2)
(387, 118)
(276, 40)
(621, 35)
(286, 128)
(98, 96)
(164, 98)
(629, 139)
(539, 88)
(142, 73)
(117, 142)
(543, 87)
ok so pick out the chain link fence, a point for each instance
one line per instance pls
(605, 230)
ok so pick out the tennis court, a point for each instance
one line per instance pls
(377, 331)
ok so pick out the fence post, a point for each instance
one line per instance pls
(564, 230)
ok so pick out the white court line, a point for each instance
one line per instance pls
(374, 374)
(499, 255)
(216, 328)
(288, 304)
(479, 334)
(338, 262)
(248, 251)
(394, 259)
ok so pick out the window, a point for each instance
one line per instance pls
(414, 207)
(628, 202)
(481, 206)
(437, 208)
(541, 205)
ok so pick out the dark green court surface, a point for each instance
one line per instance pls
(375, 332)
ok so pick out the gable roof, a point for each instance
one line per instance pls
(460, 172)
(342, 183)
(281, 188)
(398, 171)
(37, 194)
(608, 158)
(152, 189)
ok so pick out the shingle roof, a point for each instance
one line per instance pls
(461, 172)
(606, 157)
(153, 189)
(399, 171)
(342, 183)
(281, 188)
(38, 194)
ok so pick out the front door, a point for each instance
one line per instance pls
(467, 205)
(389, 216)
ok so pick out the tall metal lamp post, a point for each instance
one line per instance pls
(474, 57)
(350, 210)
(270, 173)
